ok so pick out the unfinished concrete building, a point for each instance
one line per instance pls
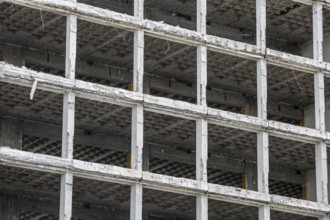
(164, 109)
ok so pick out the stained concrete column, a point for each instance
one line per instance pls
(311, 185)
(201, 124)
(137, 115)
(68, 118)
(262, 137)
(315, 115)
(309, 119)
(11, 132)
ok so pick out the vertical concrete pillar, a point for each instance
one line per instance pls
(320, 148)
(11, 132)
(309, 119)
(201, 167)
(262, 137)
(317, 115)
(311, 185)
(137, 115)
(201, 124)
(68, 118)
(307, 50)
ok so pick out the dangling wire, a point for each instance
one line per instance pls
(168, 47)
(42, 18)
(120, 34)
(295, 76)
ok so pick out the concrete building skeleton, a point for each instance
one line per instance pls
(182, 109)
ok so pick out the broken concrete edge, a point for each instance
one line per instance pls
(114, 174)
(214, 95)
(97, 92)
(177, 34)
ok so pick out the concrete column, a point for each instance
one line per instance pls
(68, 118)
(307, 50)
(309, 119)
(315, 115)
(320, 148)
(137, 115)
(311, 185)
(262, 137)
(201, 124)
(201, 166)
(11, 131)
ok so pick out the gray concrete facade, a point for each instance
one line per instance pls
(149, 109)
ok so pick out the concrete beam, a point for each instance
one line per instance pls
(101, 71)
(169, 32)
(311, 2)
(24, 77)
(27, 160)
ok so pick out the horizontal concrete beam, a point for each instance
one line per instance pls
(101, 71)
(40, 162)
(295, 62)
(92, 91)
(169, 153)
(310, 2)
(169, 32)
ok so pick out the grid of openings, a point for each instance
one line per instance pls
(158, 139)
